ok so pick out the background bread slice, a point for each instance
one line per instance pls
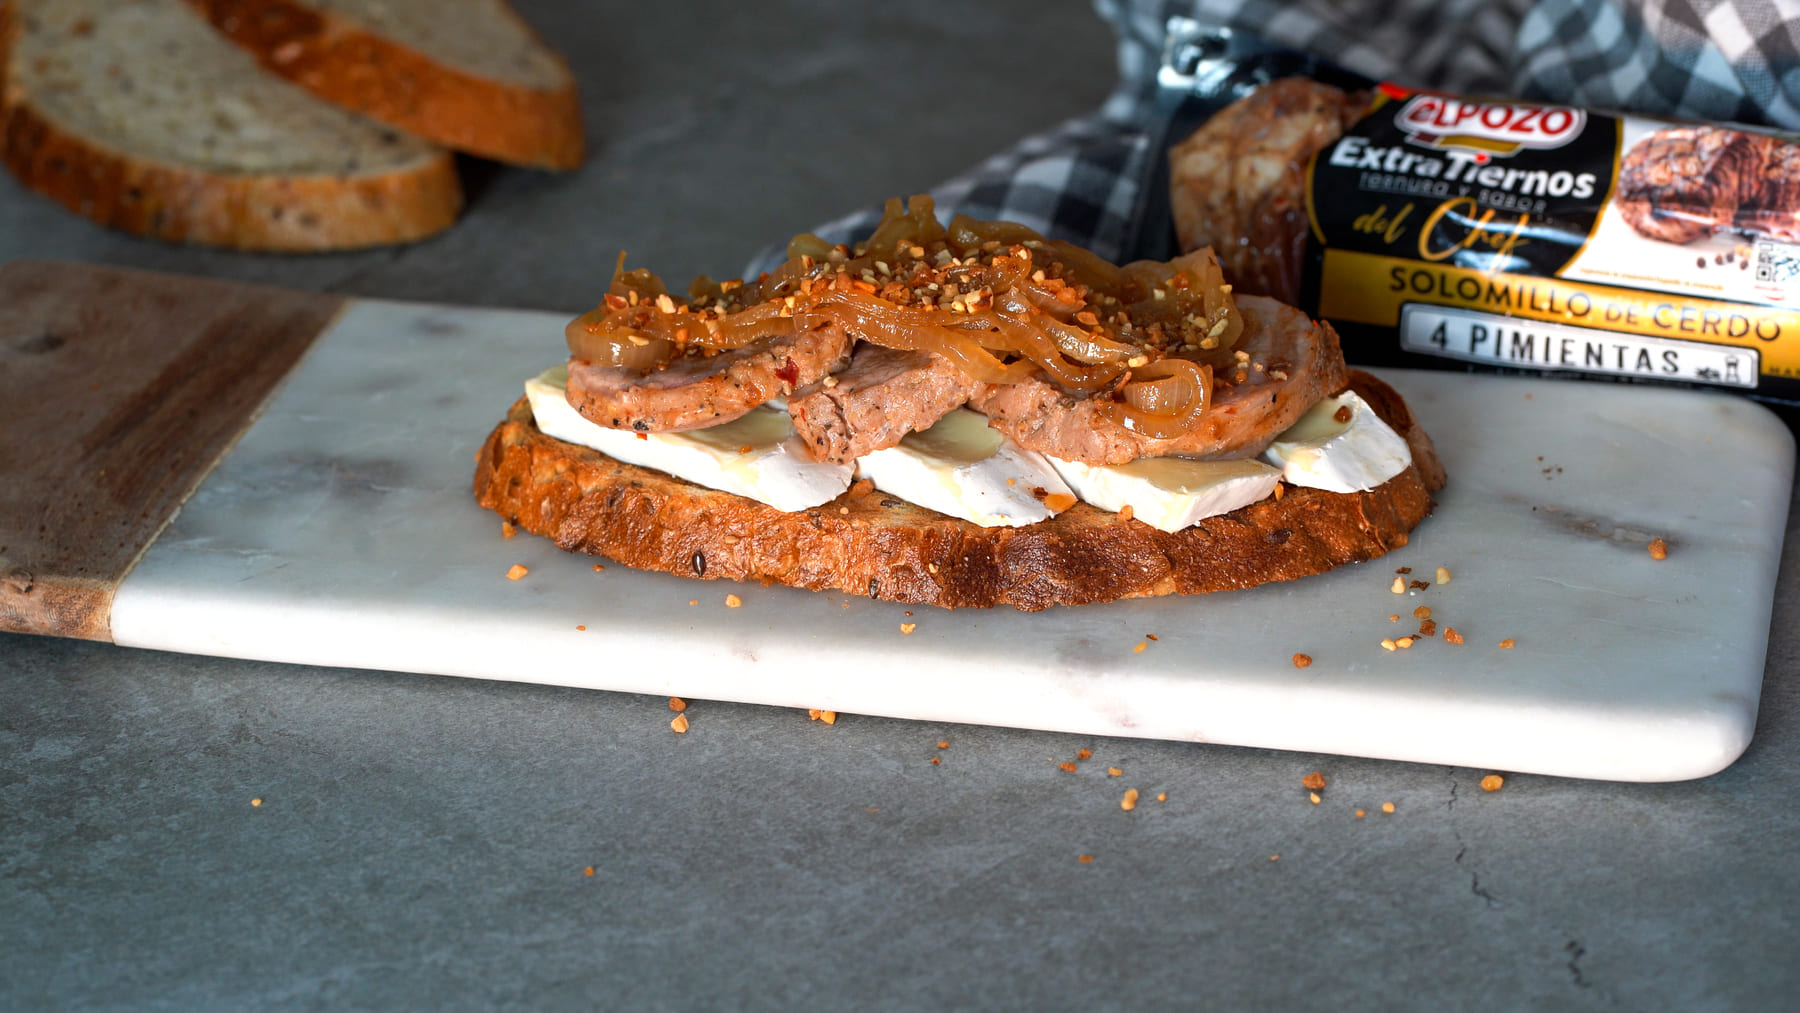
(877, 545)
(470, 75)
(139, 116)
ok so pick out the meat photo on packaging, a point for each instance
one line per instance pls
(1703, 210)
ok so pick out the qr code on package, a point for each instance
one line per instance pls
(1777, 263)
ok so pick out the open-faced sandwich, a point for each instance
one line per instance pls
(970, 415)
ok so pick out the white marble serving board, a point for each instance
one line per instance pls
(341, 530)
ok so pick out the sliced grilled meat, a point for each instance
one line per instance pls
(696, 391)
(882, 395)
(1238, 183)
(1300, 362)
(1682, 183)
(1771, 195)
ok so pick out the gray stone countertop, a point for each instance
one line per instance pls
(426, 841)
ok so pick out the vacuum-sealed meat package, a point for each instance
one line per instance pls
(1446, 230)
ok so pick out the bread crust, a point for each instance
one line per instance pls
(877, 545)
(187, 204)
(338, 60)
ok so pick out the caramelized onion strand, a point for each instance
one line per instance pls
(1163, 400)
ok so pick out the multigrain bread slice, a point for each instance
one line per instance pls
(868, 543)
(139, 116)
(469, 75)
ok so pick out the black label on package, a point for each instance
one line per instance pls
(1477, 185)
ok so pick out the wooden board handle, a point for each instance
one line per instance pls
(119, 391)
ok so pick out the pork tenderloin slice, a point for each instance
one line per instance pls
(883, 394)
(1238, 183)
(1682, 183)
(1301, 363)
(694, 392)
(1770, 203)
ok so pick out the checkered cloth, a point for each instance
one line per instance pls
(1705, 59)
(1087, 180)
(1079, 181)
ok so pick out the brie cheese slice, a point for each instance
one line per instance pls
(757, 456)
(961, 468)
(1170, 493)
(1340, 445)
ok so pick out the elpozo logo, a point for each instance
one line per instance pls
(1494, 128)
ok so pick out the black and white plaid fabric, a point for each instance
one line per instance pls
(1705, 59)
(1076, 182)
(1708, 59)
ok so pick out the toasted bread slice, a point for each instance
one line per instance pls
(469, 75)
(869, 543)
(137, 115)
